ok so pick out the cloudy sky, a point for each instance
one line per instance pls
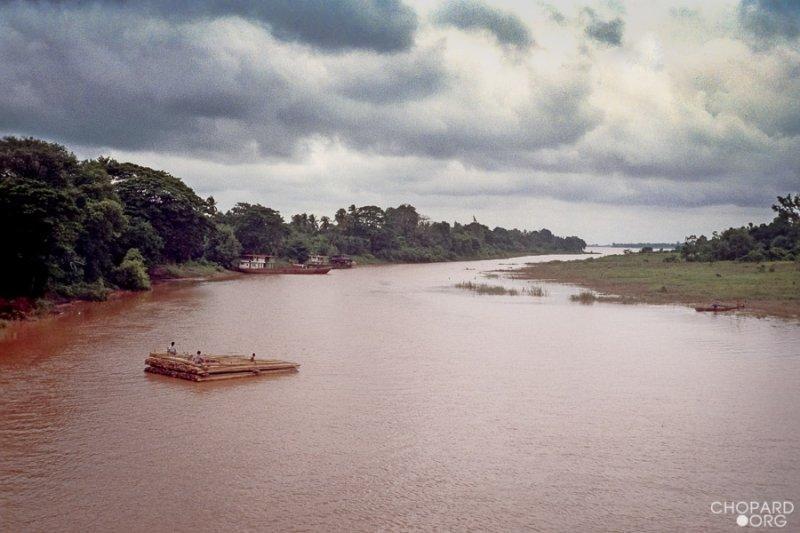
(612, 120)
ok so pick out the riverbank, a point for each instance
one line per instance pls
(190, 270)
(53, 304)
(766, 289)
(24, 308)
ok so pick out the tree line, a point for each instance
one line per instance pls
(79, 228)
(777, 241)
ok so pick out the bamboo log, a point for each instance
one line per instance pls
(215, 377)
(250, 368)
(220, 363)
(216, 368)
(172, 373)
(231, 375)
(169, 364)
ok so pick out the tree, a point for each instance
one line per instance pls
(223, 247)
(259, 229)
(366, 220)
(403, 220)
(140, 234)
(103, 219)
(788, 208)
(102, 223)
(176, 213)
(341, 219)
(39, 217)
(297, 250)
(779, 240)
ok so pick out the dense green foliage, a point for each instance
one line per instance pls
(61, 219)
(178, 216)
(402, 234)
(131, 273)
(778, 240)
(82, 228)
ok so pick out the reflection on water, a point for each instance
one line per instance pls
(417, 406)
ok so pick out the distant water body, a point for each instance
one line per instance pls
(417, 406)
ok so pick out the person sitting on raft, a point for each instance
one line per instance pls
(253, 357)
(197, 358)
(172, 350)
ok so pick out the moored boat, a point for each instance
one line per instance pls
(289, 269)
(718, 308)
(266, 264)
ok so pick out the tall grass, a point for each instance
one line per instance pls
(485, 288)
(535, 290)
(584, 297)
(499, 290)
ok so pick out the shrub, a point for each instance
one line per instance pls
(94, 292)
(754, 256)
(584, 297)
(131, 273)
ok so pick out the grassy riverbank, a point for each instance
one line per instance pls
(769, 288)
(201, 269)
(55, 302)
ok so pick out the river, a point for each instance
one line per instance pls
(417, 406)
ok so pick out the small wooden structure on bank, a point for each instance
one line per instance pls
(215, 367)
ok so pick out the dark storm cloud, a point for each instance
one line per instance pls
(407, 77)
(99, 79)
(771, 19)
(506, 27)
(380, 25)
(604, 31)
(225, 89)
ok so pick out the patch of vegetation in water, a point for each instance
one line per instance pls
(584, 297)
(485, 288)
(535, 290)
(499, 290)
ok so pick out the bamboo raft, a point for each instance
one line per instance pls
(215, 367)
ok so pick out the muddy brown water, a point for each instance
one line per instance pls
(417, 406)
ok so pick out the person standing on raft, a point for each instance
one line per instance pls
(172, 350)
